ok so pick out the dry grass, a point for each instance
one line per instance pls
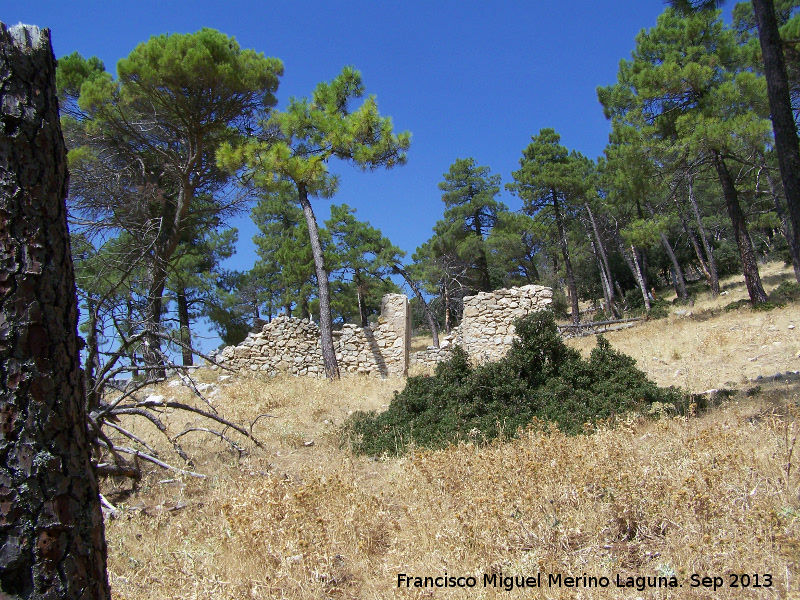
(711, 348)
(713, 494)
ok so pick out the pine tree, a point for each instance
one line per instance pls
(301, 141)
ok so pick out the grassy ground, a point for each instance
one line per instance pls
(715, 494)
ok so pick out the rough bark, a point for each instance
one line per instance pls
(325, 323)
(787, 145)
(51, 528)
(752, 278)
(562, 240)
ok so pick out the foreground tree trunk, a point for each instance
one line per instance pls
(752, 278)
(51, 528)
(325, 322)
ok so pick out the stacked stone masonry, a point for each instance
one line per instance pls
(290, 345)
(486, 330)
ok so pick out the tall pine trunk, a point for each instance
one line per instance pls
(787, 145)
(325, 321)
(752, 278)
(51, 535)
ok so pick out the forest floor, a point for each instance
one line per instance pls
(715, 495)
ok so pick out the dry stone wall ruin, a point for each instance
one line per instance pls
(486, 330)
(290, 345)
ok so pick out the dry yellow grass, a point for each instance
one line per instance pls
(711, 348)
(713, 495)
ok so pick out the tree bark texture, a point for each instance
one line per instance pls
(325, 321)
(51, 528)
(752, 278)
(787, 145)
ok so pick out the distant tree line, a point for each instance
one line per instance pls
(689, 188)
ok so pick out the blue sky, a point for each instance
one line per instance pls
(467, 78)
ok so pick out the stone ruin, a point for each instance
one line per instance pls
(291, 345)
(486, 330)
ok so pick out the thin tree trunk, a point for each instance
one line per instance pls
(676, 267)
(604, 267)
(446, 309)
(92, 354)
(752, 278)
(786, 227)
(362, 307)
(325, 321)
(186, 333)
(681, 283)
(485, 283)
(603, 279)
(633, 264)
(712, 262)
(426, 309)
(153, 358)
(640, 278)
(51, 534)
(562, 240)
(693, 239)
(787, 145)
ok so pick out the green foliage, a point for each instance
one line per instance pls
(540, 378)
(788, 291)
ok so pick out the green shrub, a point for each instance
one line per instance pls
(540, 377)
(788, 291)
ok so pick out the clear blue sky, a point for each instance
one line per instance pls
(467, 78)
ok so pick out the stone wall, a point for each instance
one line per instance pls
(486, 330)
(290, 345)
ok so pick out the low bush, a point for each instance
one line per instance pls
(540, 378)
